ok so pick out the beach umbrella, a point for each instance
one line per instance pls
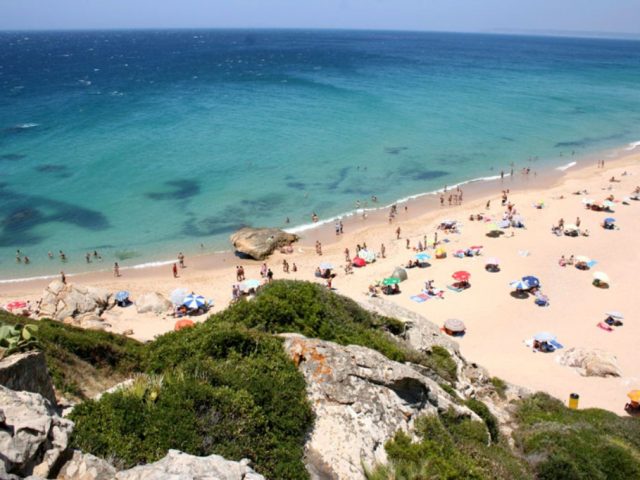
(587, 201)
(582, 259)
(390, 281)
(194, 301)
(326, 266)
(570, 227)
(492, 261)
(177, 296)
(531, 281)
(440, 252)
(422, 256)
(359, 262)
(122, 295)
(448, 223)
(609, 220)
(615, 314)
(16, 305)
(249, 284)
(634, 395)
(504, 224)
(476, 247)
(544, 337)
(184, 323)
(601, 277)
(608, 204)
(454, 325)
(461, 276)
(520, 285)
(400, 273)
(492, 227)
(367, 255)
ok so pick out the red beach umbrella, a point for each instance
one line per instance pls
(184, 323)
(359, 262)
(461, 276)
(16, 305)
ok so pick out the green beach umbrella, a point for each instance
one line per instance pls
(390, 281)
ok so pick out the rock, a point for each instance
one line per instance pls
(259, 243)
(591, 363)
(84, 466)
(153, 302)
(182, 466)
(360, 399)
(60, 301)
(33, 437)
(27, 371)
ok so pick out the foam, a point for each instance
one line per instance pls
(562, 168)
(633, 146)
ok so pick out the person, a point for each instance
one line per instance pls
(285, 266)
(570, 261)
(269, 275)
(116, 270)
(26, 260)
(235, 293)
(562, 262)
(63, 278)
(18, 257)
(238, 279)
(337, 228)
(175, 270)
(50, 255)
(347, 257)
(408, 244)
(348, 269)
(398, 233)
(373, 291)
(341, 227)
(63, 257)
(329, 282)
(442, 200)
(578, 222)
(318, 247)
(87, 257)
(294, 267)
(318, 272)
(263, 270)
(488, 206)
(181, 259)
(314, 217)
(383, 250)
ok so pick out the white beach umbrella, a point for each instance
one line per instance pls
(601, 277)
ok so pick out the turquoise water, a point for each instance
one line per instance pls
(142, 144)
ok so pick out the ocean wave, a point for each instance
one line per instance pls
(562, 168)
(24, 126)
(633, 146)
(30, 279)
(140, 266)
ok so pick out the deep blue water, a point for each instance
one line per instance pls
(143, 143)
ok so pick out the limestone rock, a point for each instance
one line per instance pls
(591, 363)
(153, 302)
(60, 301)
(84, 466)
(360, 398)
(33, 437)
(259, 243)
(182, 466)
(27, 371)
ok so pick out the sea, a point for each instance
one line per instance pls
(141, 144)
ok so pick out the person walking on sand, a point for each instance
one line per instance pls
(269, 275)
(116, 270)
(398, 233)
(488, 206)
(383, 250)
(63, 278)
(578, 222)
(408, 244)
(347, 256)
(174, 269)
(442, 200)
(294, 267)
(181, 259)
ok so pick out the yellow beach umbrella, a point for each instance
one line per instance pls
(634, 395)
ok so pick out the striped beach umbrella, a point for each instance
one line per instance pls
(520, 285)
(194, 301)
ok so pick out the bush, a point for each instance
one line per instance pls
(485, 414)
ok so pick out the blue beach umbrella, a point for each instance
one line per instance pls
(544, 337)
(609, 220)
(520, 285)
(423, 256)
(194, 301)
(122, 295)
(532, 281)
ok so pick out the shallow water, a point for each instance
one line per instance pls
(141, 144)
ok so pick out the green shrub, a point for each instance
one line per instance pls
(500, 386)
(17, 338)
(485, 414)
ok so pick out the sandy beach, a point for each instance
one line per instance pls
(497, 323)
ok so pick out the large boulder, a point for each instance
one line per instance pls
(360, 399)
(591, 363)
(60, 301)
(33, 437)
(27, 371)
(259, 243)
(153, 302)
(182, 466)
(84, 466)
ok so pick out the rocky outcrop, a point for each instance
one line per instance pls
(84, 466)
(591, 363)
(60, 301)
(28, 372)
(360, 399)
(33, 437)
(259, 243)
(182, 466)
(153, 302)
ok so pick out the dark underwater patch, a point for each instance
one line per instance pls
(177, 190)
(209, 226)
(297, 185)
(429, 175)
(395, 150)
(60, 171)
(583, 142)
(342, 176)
(12, 157)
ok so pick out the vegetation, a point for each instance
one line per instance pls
(226, 386)
(17, 338)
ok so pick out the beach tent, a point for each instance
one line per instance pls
(544, 337)
(453, 326)
(194, 302)
(177, 296)
(326, 266)
(359, 262)
(532, 281)
(184, 323)
(390, 281)
(400, 273)
(249, 284)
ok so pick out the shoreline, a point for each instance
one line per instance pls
(473, 189)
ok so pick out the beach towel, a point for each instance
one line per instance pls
(605, 327)
(420, 298)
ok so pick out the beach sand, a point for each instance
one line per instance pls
(497, 323)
